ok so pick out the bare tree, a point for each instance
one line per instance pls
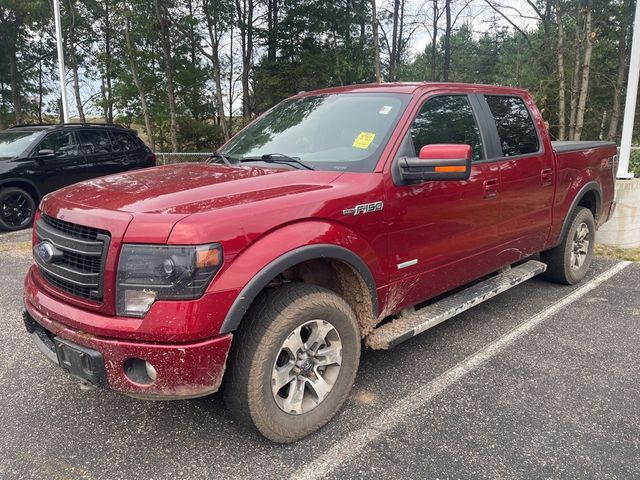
(245, 11)
(73, 60)
(434, 38)
(586, 67)
(168, 69)
(623, 53)
(447, 41)
(561, 80)
(376, 41)
(136, 78)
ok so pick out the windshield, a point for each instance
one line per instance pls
(14, 143)
(329, 132)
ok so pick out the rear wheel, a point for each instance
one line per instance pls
(569, 262)
(293, 362)
(17, 209)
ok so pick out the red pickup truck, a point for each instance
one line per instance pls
(338, 218)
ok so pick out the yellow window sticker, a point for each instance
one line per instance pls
(363, 140)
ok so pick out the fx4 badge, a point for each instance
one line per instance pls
(364, 208)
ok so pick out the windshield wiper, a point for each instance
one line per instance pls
(226, 160)
(279, 158)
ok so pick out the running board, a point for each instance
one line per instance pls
(408, 326)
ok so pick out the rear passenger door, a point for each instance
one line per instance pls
(100, 157)
(526, 175)
(134, 151)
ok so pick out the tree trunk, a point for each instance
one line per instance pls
(245, 20)
(108, 60)
(447, 42)
(214, 39)
(231, 81)
(400, 47)
(586, 66)
(168, 68)
(73, 62)
(394, 41)
(622, 72)
(561, 86)
(76, 86)
(575, 82)
(376, 41)
(15, 83)
(136, 80)
(272, 25)
(434, 42)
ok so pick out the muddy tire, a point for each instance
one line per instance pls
(569, 262)
(17, 209)
(293, 362)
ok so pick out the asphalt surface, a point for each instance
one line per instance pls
(561, 400)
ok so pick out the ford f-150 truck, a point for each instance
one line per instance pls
(344, 217)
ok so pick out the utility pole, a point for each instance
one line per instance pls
(61, 69)
(633, 82)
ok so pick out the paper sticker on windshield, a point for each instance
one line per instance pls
(385, 110)
(364, 140)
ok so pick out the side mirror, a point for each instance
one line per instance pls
(438, 162)
(46, 153)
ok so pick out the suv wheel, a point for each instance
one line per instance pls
(17, 209)
(293, 362)
(569, 262)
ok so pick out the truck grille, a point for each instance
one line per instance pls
(74, 258)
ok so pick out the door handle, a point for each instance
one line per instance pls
(546, 176)
(491, 188)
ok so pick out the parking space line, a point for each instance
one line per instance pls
(350, 446)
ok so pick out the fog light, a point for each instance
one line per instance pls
(151, 371)
(138, 302)
(140, 371)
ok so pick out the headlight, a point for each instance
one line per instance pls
(147, 273)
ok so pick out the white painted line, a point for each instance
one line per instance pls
(356, 441)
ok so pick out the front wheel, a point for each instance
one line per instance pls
(293, 362)
(17, 209)
(569, 262)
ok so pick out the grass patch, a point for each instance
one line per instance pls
(631, 254)
(15, 247)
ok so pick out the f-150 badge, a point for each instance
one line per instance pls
(364, 208)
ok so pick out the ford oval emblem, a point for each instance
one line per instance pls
(46, 251)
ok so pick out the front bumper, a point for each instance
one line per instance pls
(183, 370)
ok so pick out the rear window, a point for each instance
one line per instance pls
(124, 141)
(94, 141)
(517, 133)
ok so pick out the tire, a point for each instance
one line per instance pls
(17, 209)
(569, 262)
(278, 321)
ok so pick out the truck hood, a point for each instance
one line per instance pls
(188, 188)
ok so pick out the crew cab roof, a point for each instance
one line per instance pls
(413, 87)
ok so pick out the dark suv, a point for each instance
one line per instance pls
(38, 159)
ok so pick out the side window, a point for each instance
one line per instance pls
(124, 141)
(94, 141)
(518, 135)
(63, 144)
(447, 119)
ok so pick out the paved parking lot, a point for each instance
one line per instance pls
(539, 382)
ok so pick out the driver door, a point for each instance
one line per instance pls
(442, 232)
